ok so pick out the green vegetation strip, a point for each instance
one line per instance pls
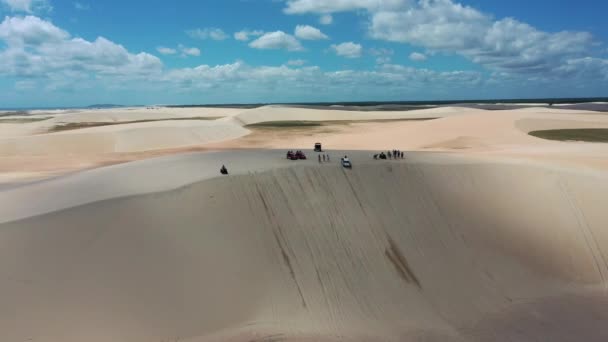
(80, 125)
(299, 123)
(580, 134)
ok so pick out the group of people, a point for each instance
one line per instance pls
(323, 158)
(396, 154)
(295, 155)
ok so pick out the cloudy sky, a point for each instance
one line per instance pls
(74, 53)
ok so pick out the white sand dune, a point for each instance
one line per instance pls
(142, 113)
(281, 113)
(28, 149)
(434, 248)
(502, 239)
(123, 138)
(476, 131)
(32, 139)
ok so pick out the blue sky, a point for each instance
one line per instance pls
(74, 53)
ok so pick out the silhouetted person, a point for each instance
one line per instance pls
(224, 170)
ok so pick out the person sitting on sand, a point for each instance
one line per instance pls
(224, 170)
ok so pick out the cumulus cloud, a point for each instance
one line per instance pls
(245, 35)
(307, 32)
(447, 26)
(28, 6)
(326, 19)
(207, 33)
(418, 57)
(383, 55)
(348, 49)
(584, 68)
(166, 51)
(40, 56)
(189, 51)
(296, 62)
(277, 40)
(183, 50)
(505, 44)
(36, 48)
(282, 81)
(324, 6)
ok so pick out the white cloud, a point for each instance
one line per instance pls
(506, 44)
(28, 6)
(30, 30)
(277, 40)
(326, 19)
(296, 62)
(37, 48)
(282, 81)
(348, 49)
(166, 50)
(448, 26)
(245, 35)
(82, 6)
(207, 33)
(189, 51)
(418, 57)
(324, 6)
(383, 55)
(586, 68)
(184, 50)
(309, 33)
(381, 52)
(42, 57)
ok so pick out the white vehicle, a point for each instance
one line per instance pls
(346, 162)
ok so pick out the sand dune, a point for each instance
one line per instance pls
(33, 138)
(280, 113)
(436, 248)
(142, 113)
(123, 138)
(28, 149)
(454, 124)
(485, 234)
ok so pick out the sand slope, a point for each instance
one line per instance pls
(437, 248)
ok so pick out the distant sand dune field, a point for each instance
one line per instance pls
(432, 248)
